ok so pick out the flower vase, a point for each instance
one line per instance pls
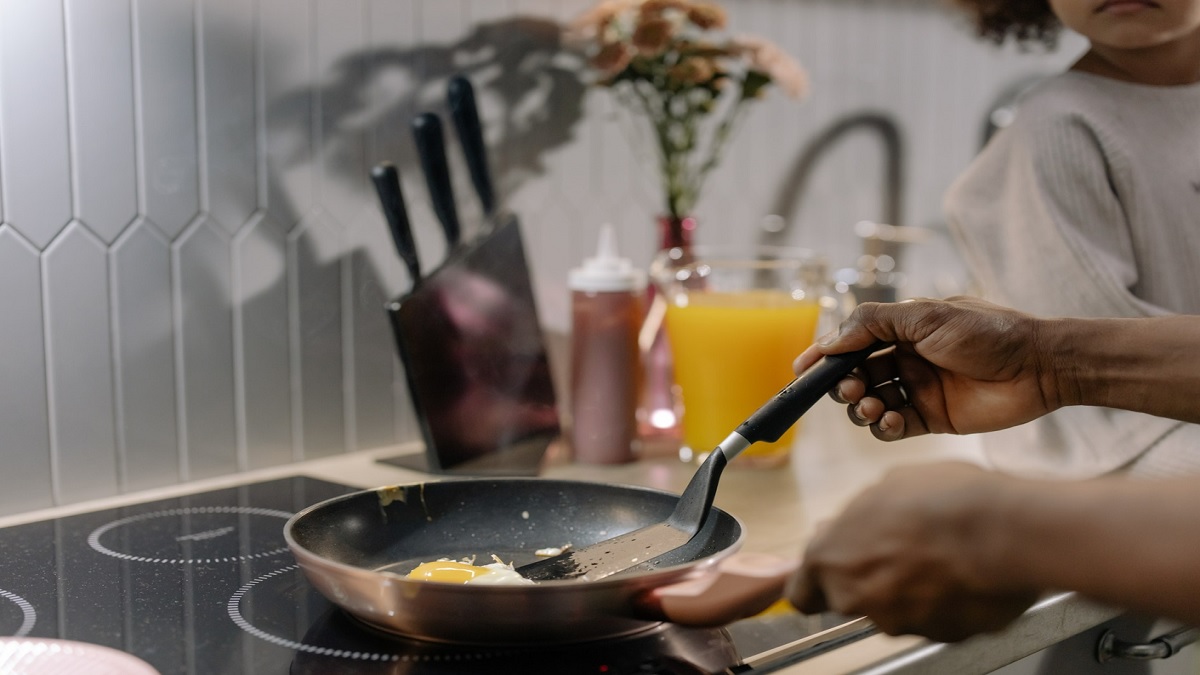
(660, 410)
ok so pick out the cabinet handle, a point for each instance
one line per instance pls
(1164, 646)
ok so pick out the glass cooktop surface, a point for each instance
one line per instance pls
(205, 584)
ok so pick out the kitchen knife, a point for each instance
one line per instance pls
(391, 199)
(460, 96)
(768, 423)
(431, 147)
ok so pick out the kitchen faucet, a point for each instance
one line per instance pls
(881, 244)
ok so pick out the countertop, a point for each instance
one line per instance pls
(831, 461)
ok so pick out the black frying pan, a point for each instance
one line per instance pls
(356, 548)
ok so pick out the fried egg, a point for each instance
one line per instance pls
(453, 572)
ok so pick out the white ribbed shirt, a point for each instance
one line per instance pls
(1088, 204)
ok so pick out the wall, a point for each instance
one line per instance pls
(192, 265)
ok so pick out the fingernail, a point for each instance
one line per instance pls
(829, 338)
(858, 414)
(883, 425)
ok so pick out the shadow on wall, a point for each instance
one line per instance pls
(530, 96)
(522, 74)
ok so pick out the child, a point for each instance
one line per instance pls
(1089, 205)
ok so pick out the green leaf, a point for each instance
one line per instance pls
(756, 81)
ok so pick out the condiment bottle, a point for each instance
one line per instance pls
(606, 309)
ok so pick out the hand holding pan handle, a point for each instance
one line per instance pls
(740, 586)
(431, 146)
(391, 199)
(775, 417)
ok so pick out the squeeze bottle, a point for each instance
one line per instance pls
(606, 315)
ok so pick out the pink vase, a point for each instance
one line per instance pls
(659, 409)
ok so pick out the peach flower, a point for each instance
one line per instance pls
(693, 70)
(652, 36)
(707, 16)
(612, 58)
(767, 58)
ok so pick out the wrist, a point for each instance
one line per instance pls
(1011, 523)
(1056, 361)
(999, 512)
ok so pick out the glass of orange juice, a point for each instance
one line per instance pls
(735, 323)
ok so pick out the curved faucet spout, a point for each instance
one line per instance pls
(787, 199)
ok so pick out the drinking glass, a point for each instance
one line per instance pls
(735, 322)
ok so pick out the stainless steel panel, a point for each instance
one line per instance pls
(204, 344)
(79, 366)
(230, 115)
(164, 32)
(33, 119)
(262, 347)
(24, 418)
(315, 297)
(100, 51)
(342, 184)
(286, 55)
(143, 318)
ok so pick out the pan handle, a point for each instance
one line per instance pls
(742, 585)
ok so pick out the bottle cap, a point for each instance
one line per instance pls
(606, 271)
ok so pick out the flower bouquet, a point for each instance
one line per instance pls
(665, 61)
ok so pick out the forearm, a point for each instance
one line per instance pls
(1146, 365)
(1130, 543)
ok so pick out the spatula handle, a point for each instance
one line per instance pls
(776, 416)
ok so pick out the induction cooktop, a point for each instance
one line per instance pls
(204, 584)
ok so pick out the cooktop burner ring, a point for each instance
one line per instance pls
(93, 539)
(233, 607)
(28, 613)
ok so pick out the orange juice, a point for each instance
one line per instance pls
(733, 351)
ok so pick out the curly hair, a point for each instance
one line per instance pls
(1024, 20)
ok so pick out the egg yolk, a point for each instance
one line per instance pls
(447, 571)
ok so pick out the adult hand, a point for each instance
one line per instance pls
(915, 553)
(959, 366)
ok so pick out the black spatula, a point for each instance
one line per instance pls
(768, 423)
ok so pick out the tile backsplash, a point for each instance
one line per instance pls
(193, 266)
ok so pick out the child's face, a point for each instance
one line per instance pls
(1129, 24)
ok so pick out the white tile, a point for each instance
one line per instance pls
(229, 110)
(373, 345)
(204, 351)
(391, 39)
(80, 366)
(164, 38)
(147, 428)
(342, 181)
(286, 55)
(35, 163)
(315, 305)
(24, 418)
(262, 345)
(100, 50)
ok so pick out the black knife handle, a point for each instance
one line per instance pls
(776, 416)
(463, 110)
(431, 147)
(391, 199)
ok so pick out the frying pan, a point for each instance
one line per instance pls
(356, 549)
